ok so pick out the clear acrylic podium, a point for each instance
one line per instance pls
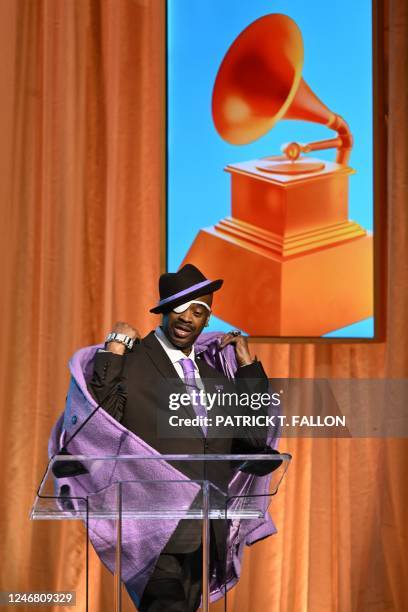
(132, 505)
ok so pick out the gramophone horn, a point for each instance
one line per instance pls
(260, 82)
(257, 80)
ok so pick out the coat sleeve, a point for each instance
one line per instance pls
(251, 379)
(106, 385)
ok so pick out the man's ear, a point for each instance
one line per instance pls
(208, 321)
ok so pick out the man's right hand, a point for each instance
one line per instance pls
(121, 327)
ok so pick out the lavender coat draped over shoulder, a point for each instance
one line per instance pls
(142, 541)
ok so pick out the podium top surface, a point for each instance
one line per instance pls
(78, 487)
(173, 457)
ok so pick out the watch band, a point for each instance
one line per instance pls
(122, 338)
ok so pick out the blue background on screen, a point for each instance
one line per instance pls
(338, 68)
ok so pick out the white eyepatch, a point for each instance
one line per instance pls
(184, 307)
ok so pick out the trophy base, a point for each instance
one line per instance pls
(307, 287)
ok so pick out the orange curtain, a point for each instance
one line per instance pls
(81, 185)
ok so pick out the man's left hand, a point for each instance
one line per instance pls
(241, 347)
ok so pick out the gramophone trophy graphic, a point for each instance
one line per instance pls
(293, 263)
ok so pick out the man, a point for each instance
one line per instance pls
(131, 381)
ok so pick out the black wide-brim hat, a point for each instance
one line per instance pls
(176, 288)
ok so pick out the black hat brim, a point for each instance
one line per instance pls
(195, 293)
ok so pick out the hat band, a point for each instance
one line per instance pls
(180, 294)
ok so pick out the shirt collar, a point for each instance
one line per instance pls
(173, 352)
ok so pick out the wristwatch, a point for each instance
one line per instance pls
(122, 338)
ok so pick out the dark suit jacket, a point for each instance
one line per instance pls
(134, 389)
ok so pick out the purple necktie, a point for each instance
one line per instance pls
(191, 384)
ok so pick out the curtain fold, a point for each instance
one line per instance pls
(81, 159)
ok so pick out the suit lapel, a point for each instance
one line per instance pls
(213, 380)
(205, 370)
(160, 360)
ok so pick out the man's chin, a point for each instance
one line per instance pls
(182, 344)
(186, 342)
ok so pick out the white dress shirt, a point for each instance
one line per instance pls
(175, 354)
